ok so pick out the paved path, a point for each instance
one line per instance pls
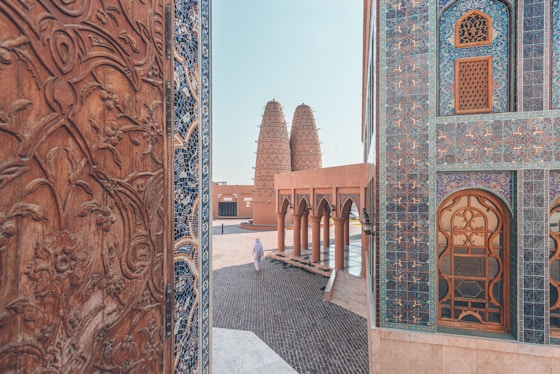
(284, 307)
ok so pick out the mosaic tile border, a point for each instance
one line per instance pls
(533, 293)
(555, 41)
(205, 218)
(192, 186)
(404, 203)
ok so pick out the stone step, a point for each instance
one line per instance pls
(349, 292)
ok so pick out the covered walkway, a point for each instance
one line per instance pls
(352, 263)
(318, 206)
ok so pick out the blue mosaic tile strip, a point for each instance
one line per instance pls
(205, 127)
(191, 186)
(499, 50)
(499, 183)
(532, 55)
(405, 293)
(555, 61)
(534, 324)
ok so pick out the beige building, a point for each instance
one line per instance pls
(232, 201)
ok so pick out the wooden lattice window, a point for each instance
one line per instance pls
(554, 269)
(473, 29)
(473, 262)
(473, 85)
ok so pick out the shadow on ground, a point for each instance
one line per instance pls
(284, 307)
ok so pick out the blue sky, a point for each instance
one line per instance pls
(293, 51)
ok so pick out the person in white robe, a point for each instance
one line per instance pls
(258, 253)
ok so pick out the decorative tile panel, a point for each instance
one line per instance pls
(554, 186)
(342, 198)
(405, 292)
(319, 198)
(555, 61)
(300, 198)
(284, 197)
(532, 55)
(499, 50)
(534, 324)
(499, 183)
(490, 142)
(192, 186)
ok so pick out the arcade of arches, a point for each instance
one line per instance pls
(333, 193)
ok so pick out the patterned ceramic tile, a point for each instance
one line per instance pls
(191, 185)
(500, 183)
(555, 61)
(499, 50)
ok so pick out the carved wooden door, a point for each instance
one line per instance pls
(84, 186)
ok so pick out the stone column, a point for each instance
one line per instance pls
(315, 238)
(304, 230)
(297, 234)
(346, 231)
(365, 244)
(326, 229)
(281, 233)
(339, 243)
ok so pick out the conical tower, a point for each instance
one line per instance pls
(273, 157)
(304, 140)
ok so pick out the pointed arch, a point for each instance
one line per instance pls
(473, 29)
(468, 31)
(473, 254)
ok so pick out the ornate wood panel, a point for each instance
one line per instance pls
(473, 262)
(84, 169)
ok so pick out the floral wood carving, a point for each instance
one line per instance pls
(82, 180)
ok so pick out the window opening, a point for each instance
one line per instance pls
(473, 29)
(473, 262)
(473, 85)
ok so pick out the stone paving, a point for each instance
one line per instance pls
(284, 307)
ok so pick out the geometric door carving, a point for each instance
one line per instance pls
(85, 226)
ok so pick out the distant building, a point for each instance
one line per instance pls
(232, 201)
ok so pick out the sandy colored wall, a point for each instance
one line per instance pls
(242, 195)
(397, 351)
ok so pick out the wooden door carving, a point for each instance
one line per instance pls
(84, 170)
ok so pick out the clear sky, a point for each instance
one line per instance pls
(293, 51)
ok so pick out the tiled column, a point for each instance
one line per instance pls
(315, 238)
(297, 234)
(304, 230)
(281, 232)
(533, 271)
(533, 31)
(404, 165)
(326, 229)
(339, 243)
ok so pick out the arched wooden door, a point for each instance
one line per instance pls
(85, 224)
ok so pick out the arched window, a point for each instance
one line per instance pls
(473, 29)
(473, 262)
(474, 58)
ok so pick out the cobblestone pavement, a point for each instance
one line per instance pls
(284, 307)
